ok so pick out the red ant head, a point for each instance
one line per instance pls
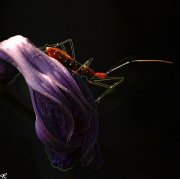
(100, 75)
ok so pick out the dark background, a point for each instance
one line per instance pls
(139, 131)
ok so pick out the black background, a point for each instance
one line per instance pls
(139, 134)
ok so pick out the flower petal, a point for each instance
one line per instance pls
(65, 109)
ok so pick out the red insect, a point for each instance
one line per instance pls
(59, 52)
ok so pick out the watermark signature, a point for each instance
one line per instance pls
(3, 176)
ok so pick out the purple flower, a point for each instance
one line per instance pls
(66, 113)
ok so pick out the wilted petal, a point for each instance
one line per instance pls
(66, 114)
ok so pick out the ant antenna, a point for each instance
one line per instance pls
(135, 61)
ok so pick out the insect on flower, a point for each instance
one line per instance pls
(65, 109)
(58, 51)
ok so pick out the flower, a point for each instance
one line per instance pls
(66, 113)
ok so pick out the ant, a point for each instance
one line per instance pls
(59, 52)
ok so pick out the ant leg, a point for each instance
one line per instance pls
(14, 78)
(106, 79)
(62, 46)
(99, 84)
(110, 88)
(71, 46)
(86, 64)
